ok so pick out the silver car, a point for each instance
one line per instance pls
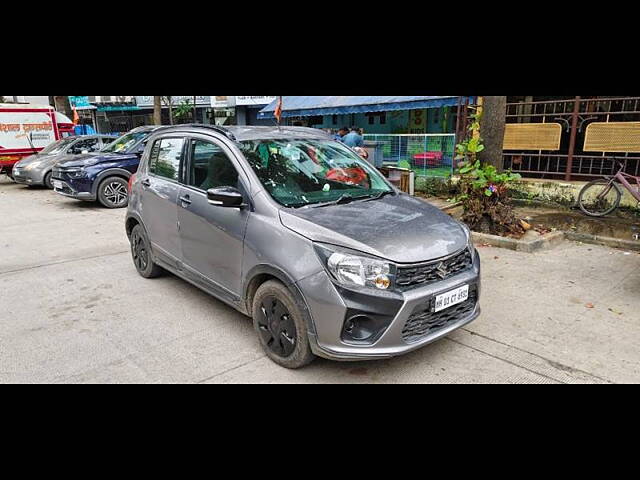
(36, 169)
(297, 231)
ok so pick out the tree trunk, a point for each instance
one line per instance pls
(62, 105)
(157, 110)
(492, 130)
(194, 110)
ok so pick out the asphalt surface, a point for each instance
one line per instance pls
(74, 310)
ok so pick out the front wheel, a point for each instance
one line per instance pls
(113, 192)
(280, 325)
(599, 197)
(47, 181)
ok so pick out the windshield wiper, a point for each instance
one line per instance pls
(345, 198)
(382, 194)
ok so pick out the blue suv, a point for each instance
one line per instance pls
(103, 175)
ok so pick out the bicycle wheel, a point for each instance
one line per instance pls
(599, 197)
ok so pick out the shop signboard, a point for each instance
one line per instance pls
(220, 101)
(254, 100)
(147, 100)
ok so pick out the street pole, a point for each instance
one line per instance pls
(572, 138)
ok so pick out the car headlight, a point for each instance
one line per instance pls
(467, 232)
(33, 165)
(75, 173)
(354, 269)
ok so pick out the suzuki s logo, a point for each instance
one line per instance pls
(441, 270)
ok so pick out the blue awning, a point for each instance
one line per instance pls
(298, 106)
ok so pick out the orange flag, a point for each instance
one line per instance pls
(278, 111)
(76, 117)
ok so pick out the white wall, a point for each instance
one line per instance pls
(39, 100)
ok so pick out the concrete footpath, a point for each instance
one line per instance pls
(74, 310)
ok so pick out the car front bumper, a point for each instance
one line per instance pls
(26, 177)
(329, 310)
(75, 188)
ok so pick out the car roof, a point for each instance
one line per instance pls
(147, 128)
(241, 133)
(93, 135)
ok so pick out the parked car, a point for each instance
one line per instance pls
(102, 176)
(36, 169)
(296, 230)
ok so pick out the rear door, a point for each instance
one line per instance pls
(160, 184)
(211, 236)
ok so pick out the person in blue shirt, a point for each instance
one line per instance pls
(353, 138)
(341, 134)
(83, 129)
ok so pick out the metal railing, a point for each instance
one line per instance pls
(429, 154)
(574, 158)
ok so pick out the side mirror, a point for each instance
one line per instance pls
(225, 197)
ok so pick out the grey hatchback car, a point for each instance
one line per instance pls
(36, 169)
(297, 231)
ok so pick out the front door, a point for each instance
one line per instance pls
(160, 189)
(211, 236)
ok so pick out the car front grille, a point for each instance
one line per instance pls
(426, 273)
(424, 321)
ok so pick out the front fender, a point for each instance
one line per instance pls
(286, 279)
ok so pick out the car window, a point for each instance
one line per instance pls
(210, 167)
(125, 142)
(89, 144)
(107, 140)
(57, 147)
(165, 157)
(303, 172)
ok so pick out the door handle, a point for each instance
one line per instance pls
(146, 182)
(185, 199)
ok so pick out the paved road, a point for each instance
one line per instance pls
(74, 310)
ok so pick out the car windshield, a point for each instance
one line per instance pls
(57, 147)
(124, 143)
(305, 172)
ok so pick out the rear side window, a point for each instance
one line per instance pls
(164, 160)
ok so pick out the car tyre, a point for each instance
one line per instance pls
(113, 192)
(47, 181)
(281, 326)
(141, 254)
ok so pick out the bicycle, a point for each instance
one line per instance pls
(602, 196)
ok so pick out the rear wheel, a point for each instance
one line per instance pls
(280, 325)
(599, 197)
(47, 181)
(113, 192)
(141, 254)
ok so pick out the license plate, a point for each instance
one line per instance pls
(57, 184)
(452, 297)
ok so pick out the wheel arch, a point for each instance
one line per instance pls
(111, 172)
(260, 274)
